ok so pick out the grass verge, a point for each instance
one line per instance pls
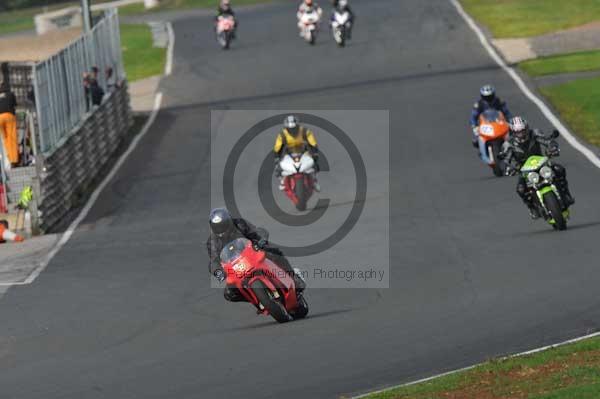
(567, 63)
(524, 18)
(22, 19)
(18, 20)
(567, 372)
(140, 58)
(579, 105)
(182, 4)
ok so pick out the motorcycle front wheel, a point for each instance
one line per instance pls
(272, 305)
(555, 210)
(499, 167)
(301, 194)
(340, 37)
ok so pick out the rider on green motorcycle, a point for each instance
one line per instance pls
(525, 142)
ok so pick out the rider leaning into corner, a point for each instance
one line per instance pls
(225, 229)
(523, 143)
(307, 6)
(488, 100)
(295, 138)
(342, 6)
(225, 10)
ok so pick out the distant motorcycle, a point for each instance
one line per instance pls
(261, 282)
(309, 23)
(340, 23)
(493, 132)
(539, 175)
(297, 170)
(225, 29)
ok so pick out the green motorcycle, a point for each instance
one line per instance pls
(540, 176)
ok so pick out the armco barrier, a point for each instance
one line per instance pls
(68, 172)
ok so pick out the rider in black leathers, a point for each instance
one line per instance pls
(525, 142)
(225, 10)
(343, 6)
(225, 229)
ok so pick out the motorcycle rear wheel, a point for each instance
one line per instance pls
(302, 309)
(273, 306)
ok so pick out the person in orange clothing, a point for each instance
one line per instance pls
(7, 235)
(8, 124)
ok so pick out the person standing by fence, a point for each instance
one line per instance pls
(8, 124)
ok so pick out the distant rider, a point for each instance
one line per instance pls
(225, 229)
(225, 10)
(488, 100)
(342, 6)
(295, 138)
(305, 7)
(523, 143)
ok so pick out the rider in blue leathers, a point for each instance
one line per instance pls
(488, 100)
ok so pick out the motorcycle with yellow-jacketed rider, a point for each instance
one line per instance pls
(297, 162)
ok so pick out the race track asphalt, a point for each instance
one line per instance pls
(125, 309)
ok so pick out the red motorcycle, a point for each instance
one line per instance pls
(225, 30)
(298, 170)
(263, 283)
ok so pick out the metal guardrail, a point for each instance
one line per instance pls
(60, 97)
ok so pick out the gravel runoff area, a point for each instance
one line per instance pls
(34, 48)
(586, 37)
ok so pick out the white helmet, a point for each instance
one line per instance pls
(488, 93)
(519, 129)
(342, 3)
(290, 122)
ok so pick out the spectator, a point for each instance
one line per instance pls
(7, 235)
(96, 91)
(93, 91)
(86, 89)
(111, 80)
(8, 124)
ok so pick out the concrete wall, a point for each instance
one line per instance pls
(62, 19)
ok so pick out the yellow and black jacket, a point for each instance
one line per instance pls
(304, 140)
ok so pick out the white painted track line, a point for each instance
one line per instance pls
(565, 133)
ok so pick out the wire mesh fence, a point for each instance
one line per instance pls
(64, 88)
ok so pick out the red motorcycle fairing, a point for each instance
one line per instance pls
(253, 265)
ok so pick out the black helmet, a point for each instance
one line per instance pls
(220, 222)
(488, 93)
(519, 129)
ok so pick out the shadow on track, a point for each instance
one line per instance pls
(351, 85)
(549, 230)
(268, 322)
